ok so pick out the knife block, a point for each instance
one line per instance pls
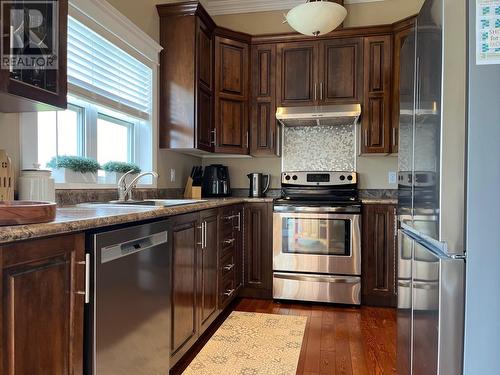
(6, 177)
(192, 192)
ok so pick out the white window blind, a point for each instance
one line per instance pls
(100, 71)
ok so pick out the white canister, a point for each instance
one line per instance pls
(36, 185)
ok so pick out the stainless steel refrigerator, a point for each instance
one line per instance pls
(431, 180)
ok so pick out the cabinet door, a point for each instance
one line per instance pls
(41, 307)
(378, 255)
(376, 125)
(341, 71)
(204, 67)
(297, 76)
(258, 273)
(207, 270)
(263, 107)
(186, 235)
(37, 89)
(238, 247)
(231, 96)
(398, 87)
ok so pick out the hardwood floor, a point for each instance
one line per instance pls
(338, 340)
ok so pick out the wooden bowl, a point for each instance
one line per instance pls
(26, 212)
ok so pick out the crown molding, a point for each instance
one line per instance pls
(219, 7)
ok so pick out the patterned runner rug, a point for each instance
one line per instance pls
(252, 344)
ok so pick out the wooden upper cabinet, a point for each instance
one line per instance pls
(321, 72)
(42, 306)
(37, 90)
(376, 122)
(204, 65)
(231, 95)
(263, 102)
(297, 75)
(402, 30)
(341, 71)
(186, 77)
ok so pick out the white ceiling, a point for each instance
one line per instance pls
(216, 7)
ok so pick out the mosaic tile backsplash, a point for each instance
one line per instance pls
(319, 148)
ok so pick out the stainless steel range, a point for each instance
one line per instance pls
(317, 238)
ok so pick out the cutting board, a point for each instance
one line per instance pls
(6, 177)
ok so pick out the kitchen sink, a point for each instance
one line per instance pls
(146, 202)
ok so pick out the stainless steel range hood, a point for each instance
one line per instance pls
(328, 115)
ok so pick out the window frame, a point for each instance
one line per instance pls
(108, 22)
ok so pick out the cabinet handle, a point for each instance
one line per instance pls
(205, 231)
(228, 267)
(247, 139)
(366, 138)
(229, 242)
(272, 139)
(201, 227)
(315, 92)
(394, 136)
(321, 91)
(239, 222)
(214, 132)
(86, 292)
(228, 293)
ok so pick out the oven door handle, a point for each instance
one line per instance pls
(319, 216)
(319, 278)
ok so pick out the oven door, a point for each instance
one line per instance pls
(317, 243)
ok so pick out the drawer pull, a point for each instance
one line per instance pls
(229, 267)
(228, 293)
(229, 242)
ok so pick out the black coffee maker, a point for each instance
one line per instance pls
(216, 181)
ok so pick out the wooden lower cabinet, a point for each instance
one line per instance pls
(378, 256)
(207, 270)
(201, 242)
(230, 254)
(258, 257)
(186, 235)
(42, 306)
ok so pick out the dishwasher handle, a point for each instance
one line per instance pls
(120, 250)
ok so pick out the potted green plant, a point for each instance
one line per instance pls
(116, 169)
(74, 169)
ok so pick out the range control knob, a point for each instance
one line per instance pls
(294, 177)
(349, 178)
(342, 178)
(287, 177)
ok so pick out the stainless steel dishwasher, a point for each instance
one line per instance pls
(128, 315)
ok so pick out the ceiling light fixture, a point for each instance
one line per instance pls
(316, 17)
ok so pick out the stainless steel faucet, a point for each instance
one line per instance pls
(124, 190)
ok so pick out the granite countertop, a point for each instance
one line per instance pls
(77, 218)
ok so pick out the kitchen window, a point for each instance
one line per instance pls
(111, 114)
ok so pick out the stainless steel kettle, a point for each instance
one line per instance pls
(257, 187)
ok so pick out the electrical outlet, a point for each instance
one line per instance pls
(393, 177)
(172, 175)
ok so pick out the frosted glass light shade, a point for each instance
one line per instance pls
(316, 18)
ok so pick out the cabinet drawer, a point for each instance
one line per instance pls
(227, 265)
(227, 245)
(228, 289)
